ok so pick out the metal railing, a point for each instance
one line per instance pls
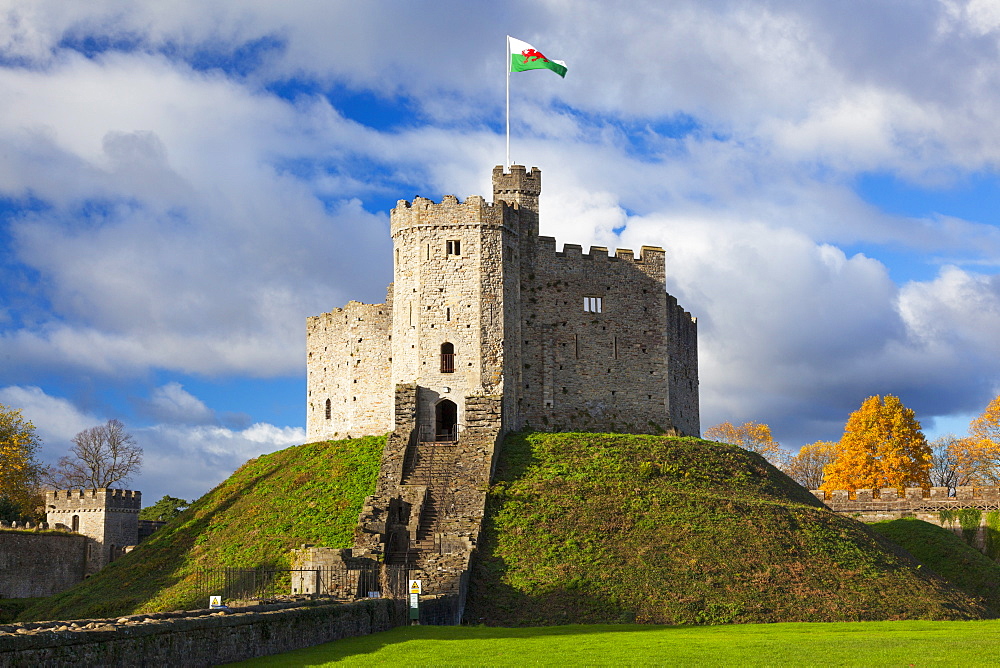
(426, 433)
(347, 582)
(447, 363)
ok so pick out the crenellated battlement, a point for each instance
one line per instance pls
(448, 202)
(72, 500)
(358, 311)
(517, 181)
(912, 498)
(450, 213)
(648, 255)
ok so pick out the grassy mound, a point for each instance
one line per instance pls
(305, 494)
(591, 528)
(948, 555)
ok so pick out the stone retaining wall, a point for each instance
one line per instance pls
(193, 638)
(40, 564)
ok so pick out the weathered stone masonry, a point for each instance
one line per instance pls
(568, 340)
(40, 564)
(488, 328)
(876, 505)
(108, 517)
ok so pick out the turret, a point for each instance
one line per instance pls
(520, 189)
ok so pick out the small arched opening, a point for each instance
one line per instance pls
(446, 420)
(329, 409)
(447, 358)
(75, 523)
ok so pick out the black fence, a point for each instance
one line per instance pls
(348, 582)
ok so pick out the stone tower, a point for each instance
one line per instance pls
(488, 328)
(108, 517)
(455, 279)
(481, 305)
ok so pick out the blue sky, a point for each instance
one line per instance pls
(181, 187)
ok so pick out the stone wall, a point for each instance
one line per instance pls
(682, 369)
(877, 505)
(602, 343)
(196, 638)
(40, 564)
(108, 517)
(889, 499)
(349, 357)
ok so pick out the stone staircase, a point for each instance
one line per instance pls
(429, 501)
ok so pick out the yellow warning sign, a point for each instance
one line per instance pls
(415, 587)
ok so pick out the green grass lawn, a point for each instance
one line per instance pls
(910, 643)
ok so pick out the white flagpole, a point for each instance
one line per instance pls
(507, 67)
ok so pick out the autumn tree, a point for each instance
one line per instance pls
(19, 470)
(101, 456)
(987, 425)
(752, 436)
(806, 467)
(882, 446)
(978, 456)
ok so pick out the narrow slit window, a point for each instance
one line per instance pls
(329, 409)
(447, 358)
(593, 305)
(454, 247)
(447, 314)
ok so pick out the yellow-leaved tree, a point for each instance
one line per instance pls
(806, 467)
(977, 457)
(752, 436)
(19, 471)
(882, 446)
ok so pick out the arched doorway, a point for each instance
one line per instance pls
(446, 420)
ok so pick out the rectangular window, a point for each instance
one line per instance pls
(454, 247)
(592, 305)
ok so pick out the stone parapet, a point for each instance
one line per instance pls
(913, 499)
(76, 500)
(194, 638)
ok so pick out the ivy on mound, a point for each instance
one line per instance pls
(310, 493)
(593, 528)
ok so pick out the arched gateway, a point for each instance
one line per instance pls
(446, 420)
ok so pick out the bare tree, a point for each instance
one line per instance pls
(946, 470)
(99, 457)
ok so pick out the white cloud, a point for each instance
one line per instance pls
(182, 460)
(219, 216)
(187, 461)
(56, 419)
(171, 403)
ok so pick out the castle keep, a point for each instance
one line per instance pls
(481, 305)
(487, 329)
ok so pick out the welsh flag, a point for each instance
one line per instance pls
(524, 57)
